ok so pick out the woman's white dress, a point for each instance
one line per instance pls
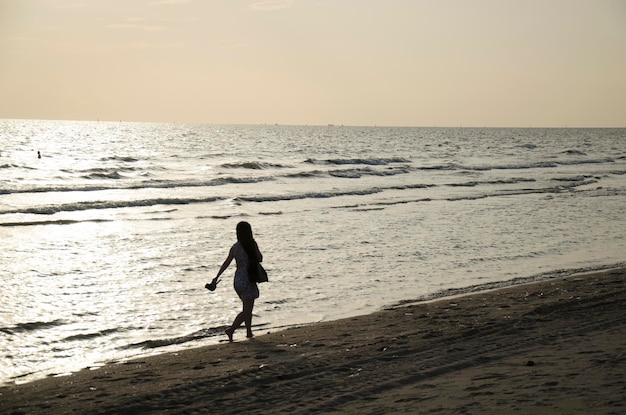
(246, 289)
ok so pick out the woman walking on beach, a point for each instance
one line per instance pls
(247, 257)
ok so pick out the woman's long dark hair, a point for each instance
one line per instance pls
(245, 238)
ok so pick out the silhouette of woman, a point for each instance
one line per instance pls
(247, 256)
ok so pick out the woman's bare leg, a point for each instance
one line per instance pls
(244, 316)
(248, 306)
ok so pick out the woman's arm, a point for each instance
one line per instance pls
(226, 263)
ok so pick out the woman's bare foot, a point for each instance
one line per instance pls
(229, 333)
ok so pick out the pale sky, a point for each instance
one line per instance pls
(499, 63)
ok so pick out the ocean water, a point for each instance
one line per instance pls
(107, 240)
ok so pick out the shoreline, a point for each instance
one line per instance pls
(173, 345)
(551, 346)
(450, 293)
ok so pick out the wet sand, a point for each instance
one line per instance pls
(551, 347)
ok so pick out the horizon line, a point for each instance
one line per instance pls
(276, 124)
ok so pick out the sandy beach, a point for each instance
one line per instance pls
(550, 347)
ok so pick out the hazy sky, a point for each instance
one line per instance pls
(353, 62)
